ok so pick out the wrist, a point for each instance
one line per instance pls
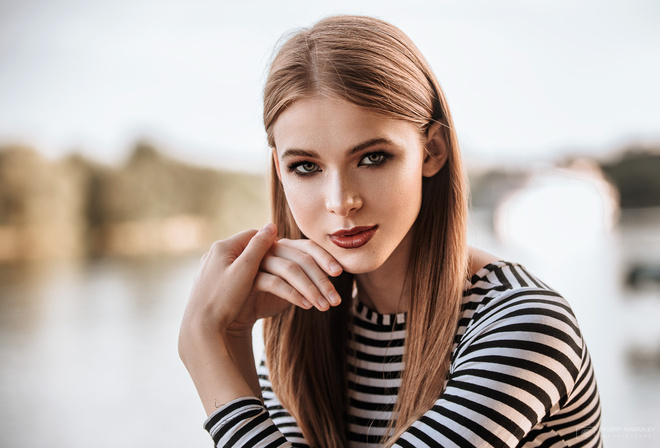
(197, 340)
(217, 376)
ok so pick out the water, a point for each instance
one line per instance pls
(89, 352)
(616, 321)
(89, 355)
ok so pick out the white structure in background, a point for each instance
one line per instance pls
(563, 210)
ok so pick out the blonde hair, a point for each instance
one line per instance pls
(372, 64)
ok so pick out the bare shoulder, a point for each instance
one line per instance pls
(478, 258)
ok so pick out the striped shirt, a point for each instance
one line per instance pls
(520, 375)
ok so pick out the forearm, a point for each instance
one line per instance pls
(217, 377)
(242, 354)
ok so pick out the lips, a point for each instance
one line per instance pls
(353, 238)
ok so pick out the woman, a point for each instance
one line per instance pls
(382, 327)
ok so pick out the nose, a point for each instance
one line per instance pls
(342, 196)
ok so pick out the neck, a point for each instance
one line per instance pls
(387, 289)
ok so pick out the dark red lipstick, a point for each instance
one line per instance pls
(353, 238)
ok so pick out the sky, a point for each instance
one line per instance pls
(525, 80)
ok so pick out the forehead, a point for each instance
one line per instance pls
(327, 122)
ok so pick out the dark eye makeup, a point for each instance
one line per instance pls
(375, 158)
(305, 168)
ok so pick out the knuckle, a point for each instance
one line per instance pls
(291, 268)
(270, 282)
(326, 284)
(311, 289)
(261, 238)
(307, 259)
(217, 246)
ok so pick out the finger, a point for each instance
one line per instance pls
(301, 270)
(250, 258)
(294, 275)
(228, 250)
(325, 261)
(273, 284)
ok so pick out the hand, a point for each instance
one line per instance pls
(250, 276)
(297, 271)
(292, 272)
(242, 279)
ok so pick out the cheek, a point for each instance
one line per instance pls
(404, 204)
(303, 205)
(404, 189)
(407, 203)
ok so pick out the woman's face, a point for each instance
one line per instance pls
(353, 179)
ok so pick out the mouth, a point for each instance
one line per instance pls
(353, 238)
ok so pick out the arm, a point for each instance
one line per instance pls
(514, 367)
(241, 280)
(217, 377)
(271, 426)
(221, 289)
(518, 364)
(241, 353)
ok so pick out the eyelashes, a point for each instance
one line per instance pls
(306, 168)
(303, 168)
(374, 159)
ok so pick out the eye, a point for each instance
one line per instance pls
(303, 168)
(374, 159)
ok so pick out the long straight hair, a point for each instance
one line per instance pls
(373, 65)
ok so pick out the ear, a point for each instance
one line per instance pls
(436, 150)
(276, 162)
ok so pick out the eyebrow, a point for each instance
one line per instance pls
(362, 146)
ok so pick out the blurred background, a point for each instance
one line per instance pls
(130, 139)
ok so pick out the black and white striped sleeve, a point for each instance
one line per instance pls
(244, 423)
(513, 367)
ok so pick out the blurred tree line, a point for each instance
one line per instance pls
(152, 204)
(636, 174)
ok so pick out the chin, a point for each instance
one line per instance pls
(358, 270)
(358, 263)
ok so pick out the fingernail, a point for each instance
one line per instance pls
(306, 304)
(270, 228)
(334, 298)
(323, 304)
(335, 268)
